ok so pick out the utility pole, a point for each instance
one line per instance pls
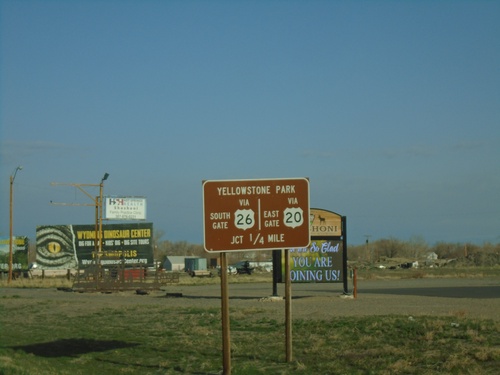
(367, 236)
(11, 200)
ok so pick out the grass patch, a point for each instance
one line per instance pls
(40, 338)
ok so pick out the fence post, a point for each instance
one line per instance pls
(355, 283)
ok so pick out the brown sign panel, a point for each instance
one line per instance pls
(255, 214)
(325, 223)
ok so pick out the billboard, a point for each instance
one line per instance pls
(320, 262)
(73, 246)
(19, 253)
(125, 208)
(325, 223)
(324, 260)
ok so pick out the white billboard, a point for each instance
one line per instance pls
(125, 208)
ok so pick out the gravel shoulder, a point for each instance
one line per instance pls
(472, 298)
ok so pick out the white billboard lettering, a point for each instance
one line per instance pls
(125, 208)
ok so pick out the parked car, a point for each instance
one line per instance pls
(231, 270)
(244, 268)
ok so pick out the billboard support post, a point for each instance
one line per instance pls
(276, 271)
(101, 187)
(344, 255)
(96, 246)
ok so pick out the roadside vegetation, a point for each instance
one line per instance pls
(42, 338)
(380, 252)
(363, 273)
(38, 339)
(415, 248)
(384, 252)
(379, 259)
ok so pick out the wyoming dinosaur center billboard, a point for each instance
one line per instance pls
(74, 246)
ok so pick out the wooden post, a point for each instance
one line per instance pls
(288, 308)
(355, 283)
(226, 339)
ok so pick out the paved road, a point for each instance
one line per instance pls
(446, 288)
(477, 298)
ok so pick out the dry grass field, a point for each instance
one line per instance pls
(412, 325)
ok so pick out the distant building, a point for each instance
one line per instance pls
(431, 256)
(174, 263)
(431, 259)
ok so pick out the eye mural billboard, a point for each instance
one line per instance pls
(73, 246)
(324, 260)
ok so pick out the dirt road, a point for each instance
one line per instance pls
(474, 298)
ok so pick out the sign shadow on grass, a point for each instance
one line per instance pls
(72, 347)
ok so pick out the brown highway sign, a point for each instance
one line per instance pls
(255, 214)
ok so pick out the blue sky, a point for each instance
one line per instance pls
(390, 108)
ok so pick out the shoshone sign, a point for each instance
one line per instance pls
(324, 259)
(321, 262)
